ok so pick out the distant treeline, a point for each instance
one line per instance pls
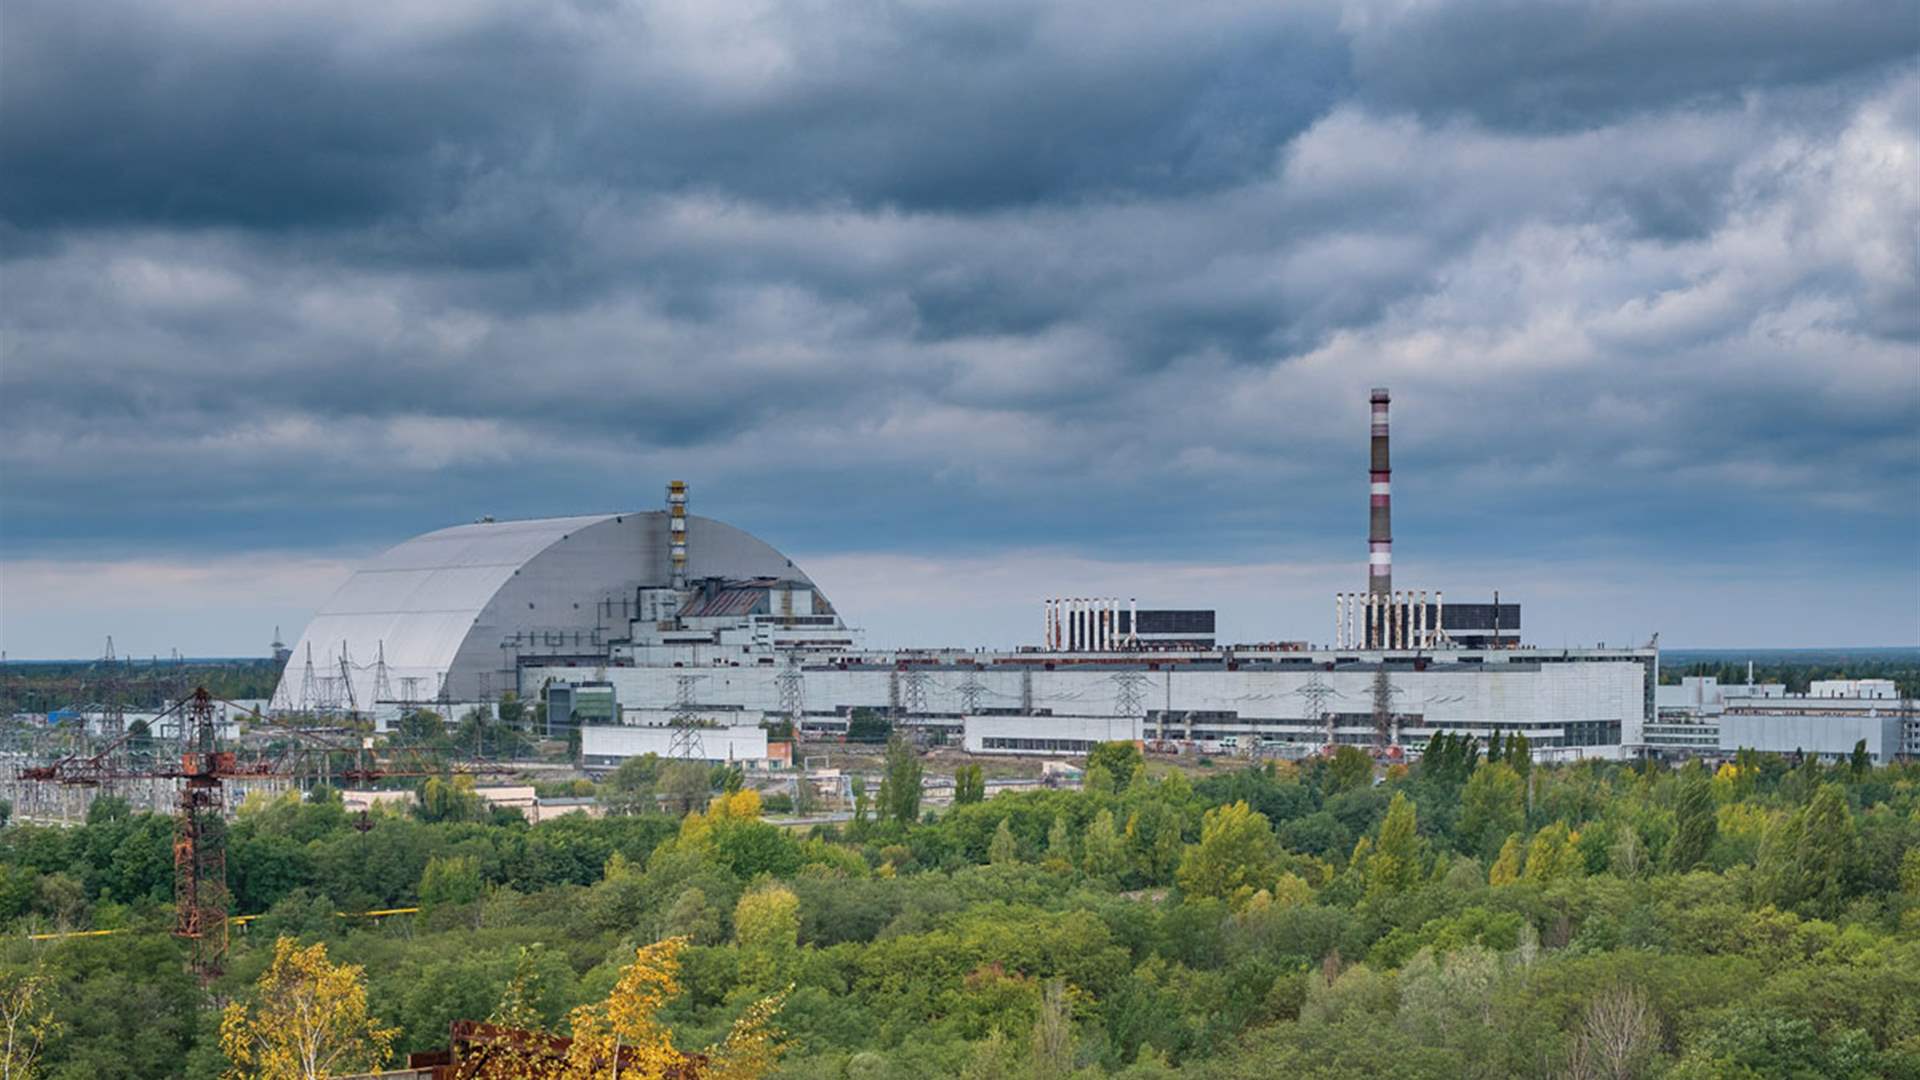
(42, 686)
(1799, 669)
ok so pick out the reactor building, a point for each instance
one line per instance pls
(632, 626)
(454, 615)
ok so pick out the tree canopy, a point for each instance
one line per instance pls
(1464, 917)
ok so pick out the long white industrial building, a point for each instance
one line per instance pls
(1582, 702)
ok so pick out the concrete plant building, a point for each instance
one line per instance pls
(1575, 702)
(653, 621)
(1703, 717)
(451, 616)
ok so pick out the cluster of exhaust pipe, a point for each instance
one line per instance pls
(1389, 620)
(1076, 624)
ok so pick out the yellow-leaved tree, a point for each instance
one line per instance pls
(26, 1022)
(766, 926)
(309, 1020)
(697, 828)
(623, 1038)
(1506, 867)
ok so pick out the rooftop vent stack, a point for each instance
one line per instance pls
(677, 529)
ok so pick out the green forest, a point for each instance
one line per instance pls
(1477, 915)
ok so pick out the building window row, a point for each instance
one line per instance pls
(1075, 746)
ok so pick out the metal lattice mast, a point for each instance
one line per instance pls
(687, 742)
(792, 684)
(307, 687)
(970, 693)
(199, 846)
(914, 692)
(382, 688)
(1130, 700)
(1130, 697)
(1317, 693)
(346, 681)
(1386, 726)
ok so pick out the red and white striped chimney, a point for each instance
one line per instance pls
(1380, 504)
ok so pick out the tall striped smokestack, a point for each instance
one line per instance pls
(1380, 503)
(677, 530)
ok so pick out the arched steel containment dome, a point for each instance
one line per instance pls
(445, 608)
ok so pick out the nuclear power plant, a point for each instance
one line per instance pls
(662, 631)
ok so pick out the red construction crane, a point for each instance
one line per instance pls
(199, 836)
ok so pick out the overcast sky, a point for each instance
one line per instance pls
(966, 304)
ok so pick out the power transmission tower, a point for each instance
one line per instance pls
(1317, 693)
(687, 743)
(914, 692)
(1130, 699)
(792, 685)
(307, 687)
(382, 689)
(110, 694)
(346, 680)
(1386, 725)
(971, 692)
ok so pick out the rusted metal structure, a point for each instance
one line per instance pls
(199, 849)
(202, 770)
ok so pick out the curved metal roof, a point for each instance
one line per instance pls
(440, 606)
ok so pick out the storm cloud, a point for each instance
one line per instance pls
(966, 282)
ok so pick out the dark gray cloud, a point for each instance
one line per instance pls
(957, 278)
(1566, 64)
(303, 116)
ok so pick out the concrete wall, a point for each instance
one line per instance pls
(603, 747)
(1853, 688)
(1031, 735)
(1829, 736)
(1510, 694)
